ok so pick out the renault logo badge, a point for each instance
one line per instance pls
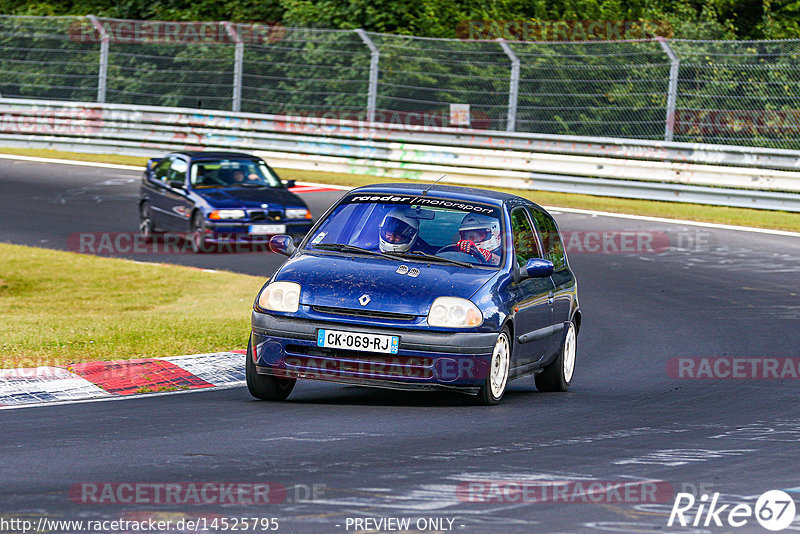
(364, 299)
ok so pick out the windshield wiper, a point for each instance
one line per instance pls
(252, 185)
(417, 254)
(344, 247)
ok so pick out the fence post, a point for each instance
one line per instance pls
(372, 98)
(102, 75)
(672, 92)
(238, 62)
(513, 87)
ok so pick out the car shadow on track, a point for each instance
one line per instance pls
(368, 396)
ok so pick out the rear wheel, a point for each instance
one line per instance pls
(146, 226)
(496, 380)
(265, 387)
(558, 375)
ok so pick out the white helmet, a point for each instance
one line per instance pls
(398, 231)
(486, 231)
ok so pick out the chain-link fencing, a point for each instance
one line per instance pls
(728, 92)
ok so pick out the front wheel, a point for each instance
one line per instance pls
(198, 234)
(265, 387)
(558, 375)
(495, 385)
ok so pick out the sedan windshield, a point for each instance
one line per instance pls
(410, 227)
(232, 173)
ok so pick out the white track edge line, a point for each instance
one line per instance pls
(568, 210)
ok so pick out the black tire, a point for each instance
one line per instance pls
(499, 366)
(146, 226)
(558, 375)
(198, 235)
(265, 387)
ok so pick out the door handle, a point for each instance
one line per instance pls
(550, 298)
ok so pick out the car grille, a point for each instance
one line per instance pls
(260, 215)
(351, 312)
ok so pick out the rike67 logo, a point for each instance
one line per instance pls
(774, 510)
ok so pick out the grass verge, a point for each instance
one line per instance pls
(63, 307)
(778, 220)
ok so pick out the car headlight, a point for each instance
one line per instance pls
(280, 296)
(453, 312)
(226, 214)
(298, 214)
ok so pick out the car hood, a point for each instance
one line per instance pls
(247, 197)
(339, 281)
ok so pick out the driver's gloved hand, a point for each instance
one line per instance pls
(465, 245)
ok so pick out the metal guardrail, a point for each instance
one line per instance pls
(709, 174)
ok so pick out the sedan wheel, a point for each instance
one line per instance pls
(146, 226)
(497, 378)
(198, 235)
(558, 375)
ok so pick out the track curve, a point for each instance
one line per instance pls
(379, 454)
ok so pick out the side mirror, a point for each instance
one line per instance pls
(536, 268)
(289, 183)
(176, 184)
(282, 244)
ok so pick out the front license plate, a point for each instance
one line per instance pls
(266, 229)
(335, 339)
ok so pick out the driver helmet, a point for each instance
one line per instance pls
(398, 232)
(483, 230)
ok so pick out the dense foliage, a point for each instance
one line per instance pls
(690, 19)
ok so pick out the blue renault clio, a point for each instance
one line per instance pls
(419, 287)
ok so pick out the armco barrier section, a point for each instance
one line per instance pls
(710, 174)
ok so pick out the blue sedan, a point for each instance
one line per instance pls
(413, 287)
(219, 198)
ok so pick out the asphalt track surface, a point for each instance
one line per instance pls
(371, 453)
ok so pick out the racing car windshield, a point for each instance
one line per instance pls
(233, 173)
(408, 226)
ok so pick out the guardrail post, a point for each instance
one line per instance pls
(372, 98)
(102, 75)
(672, 91)
(238, 62)
(513, 86)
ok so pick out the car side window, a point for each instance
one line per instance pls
(551, 240)
(525, 244)
(177, 171)
(161, 169)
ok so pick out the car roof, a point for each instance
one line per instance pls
(196, 154)
(451, 192)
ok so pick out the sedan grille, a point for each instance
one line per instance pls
(350, 312)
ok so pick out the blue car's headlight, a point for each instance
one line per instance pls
(292, 213)
(226, 214)
(280, 296)
(453, 312)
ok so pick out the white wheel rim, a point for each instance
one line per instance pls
(569, 353)
(498, 374)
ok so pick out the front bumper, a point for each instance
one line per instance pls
(239, 232)
(287, 347)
